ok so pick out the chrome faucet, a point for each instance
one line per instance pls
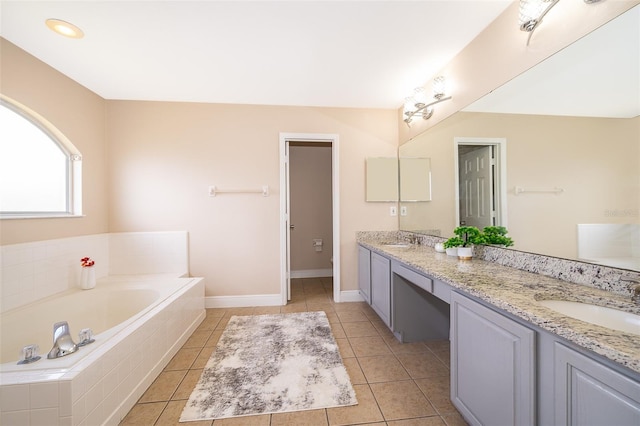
(63, 344)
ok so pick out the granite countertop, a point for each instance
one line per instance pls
(516, 291)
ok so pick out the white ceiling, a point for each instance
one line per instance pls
(312, 53)
(597, 76)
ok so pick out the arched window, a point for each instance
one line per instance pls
(40, 170)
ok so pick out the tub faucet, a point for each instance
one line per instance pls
(63, 344)
(635, 292)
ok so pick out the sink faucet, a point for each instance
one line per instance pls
(63, 344)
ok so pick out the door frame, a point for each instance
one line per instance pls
(500, 145)
(285, 139)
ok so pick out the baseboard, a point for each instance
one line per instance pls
(243, 301)
(351, 296)
(312, 273)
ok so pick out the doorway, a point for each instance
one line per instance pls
(480, 175)
(287, 225)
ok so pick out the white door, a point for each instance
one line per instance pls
(476, 188)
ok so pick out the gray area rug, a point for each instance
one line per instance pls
(271, 364)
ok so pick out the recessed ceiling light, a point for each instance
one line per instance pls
(64, 28)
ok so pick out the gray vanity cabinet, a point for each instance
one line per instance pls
(493, 378)
(588, 392)
(364, 273)
(381, 287)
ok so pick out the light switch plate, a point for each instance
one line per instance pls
(403, 211)
(393, 211)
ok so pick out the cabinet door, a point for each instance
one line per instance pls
(381, 287)
(364, 273)
(590, 393)
(492, 365)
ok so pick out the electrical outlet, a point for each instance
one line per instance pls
(403, 211)
(393, 211)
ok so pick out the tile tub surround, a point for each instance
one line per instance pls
(101, 387)
(35, 270)
(516, 291)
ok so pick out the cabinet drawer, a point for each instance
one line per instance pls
(413, 277)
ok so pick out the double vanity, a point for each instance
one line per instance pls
(519, 356)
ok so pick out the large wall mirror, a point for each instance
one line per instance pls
(572, 131)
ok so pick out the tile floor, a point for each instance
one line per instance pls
(396, 384)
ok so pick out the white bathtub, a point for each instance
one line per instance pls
(139, 323)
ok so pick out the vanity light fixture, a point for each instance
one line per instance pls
(421, 105)
(64, 28)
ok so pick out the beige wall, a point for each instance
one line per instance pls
(595, 161)
(163, 156)
(79, 114)
(311, 206)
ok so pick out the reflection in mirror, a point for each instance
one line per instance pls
(415, 179)
(382, 179)
(583, 138)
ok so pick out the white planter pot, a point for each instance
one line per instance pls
(452, 251)
(465, 253)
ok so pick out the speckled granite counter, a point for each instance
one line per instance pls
(516, 291)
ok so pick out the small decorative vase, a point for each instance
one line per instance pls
(465, 253)
(452, 251)
(439, 247)
(87, 278)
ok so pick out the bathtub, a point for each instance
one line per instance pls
(139, 322)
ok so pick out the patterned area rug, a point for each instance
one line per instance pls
(271, 364)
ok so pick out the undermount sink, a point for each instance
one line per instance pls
(598, 315)
(397, 245)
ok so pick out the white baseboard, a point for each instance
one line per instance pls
(243, 301)
(351, 296)
(312, 273)
(266, 300)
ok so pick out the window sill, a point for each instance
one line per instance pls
(42, 216)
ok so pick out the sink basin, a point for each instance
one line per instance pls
(598, 315)
(397, 245)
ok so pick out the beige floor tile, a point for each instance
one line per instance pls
(266, 310)
(437, 345)
(352, 316)
(366, 411)
(239, 312)
(349, 306)
(345, 348)
(294, 307)
(203, 357)
(437, 390)
(222, 324)
(183, 360)
(187, 385)
(216, 312)
(259, 420)
(163, 386)
(337, 330)
(421, 421)
(209, 323)
(369, 346)
(398, 347)
(422, 365)
(300, 418)
(355, 372)
(213, 339)
(171, 415)
(143, 414)
(401, 400)
(454, 419)
(359, 329)
(198, 339)
(382, 369)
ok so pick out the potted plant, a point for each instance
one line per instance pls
(452, 244)
(469, 235)
(497, 235)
